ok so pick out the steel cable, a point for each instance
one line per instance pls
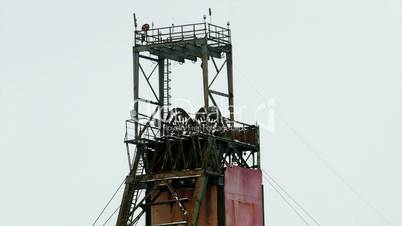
(290, 197)
(107, 204)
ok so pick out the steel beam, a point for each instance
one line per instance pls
(204, 66)
(171, 175)
(161, 70)
(195, 42)
(219, 93)
(199, 194)
(165, 202)
(162, 54)
(148, 58)
(183, 54)
(229, 68)
(136, 69)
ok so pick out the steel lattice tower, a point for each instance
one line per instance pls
(177, 162)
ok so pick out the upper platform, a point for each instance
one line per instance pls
(180, 42)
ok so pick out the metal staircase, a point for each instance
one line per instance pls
(139, 170)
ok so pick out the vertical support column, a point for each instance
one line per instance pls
(136, 67)
(148, 218)
(258, 147)
(199, 194)
(161, 70)
(221, 201)
(229, 69)
(205, 74)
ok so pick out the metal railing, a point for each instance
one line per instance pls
(150, 129)
(145, 130)
(217, 35)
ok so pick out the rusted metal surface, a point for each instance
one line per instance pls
(177, 162)
(171, 175)
(243, 197)
(246, 135)
(168, 212)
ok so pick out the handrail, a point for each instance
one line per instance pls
(223, 28)
(217, 34)
(174, 26)
(152, 132)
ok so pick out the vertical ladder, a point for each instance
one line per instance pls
(166, 85)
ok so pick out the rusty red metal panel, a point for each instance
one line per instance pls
(167, 213)
(243, 197)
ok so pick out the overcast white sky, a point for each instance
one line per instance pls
(332, 67)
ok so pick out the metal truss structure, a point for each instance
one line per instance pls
(168, 150)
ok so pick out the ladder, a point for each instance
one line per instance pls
(136, 196)
(166, 85)
(138, 171)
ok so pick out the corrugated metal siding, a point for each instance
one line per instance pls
(243, 197)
